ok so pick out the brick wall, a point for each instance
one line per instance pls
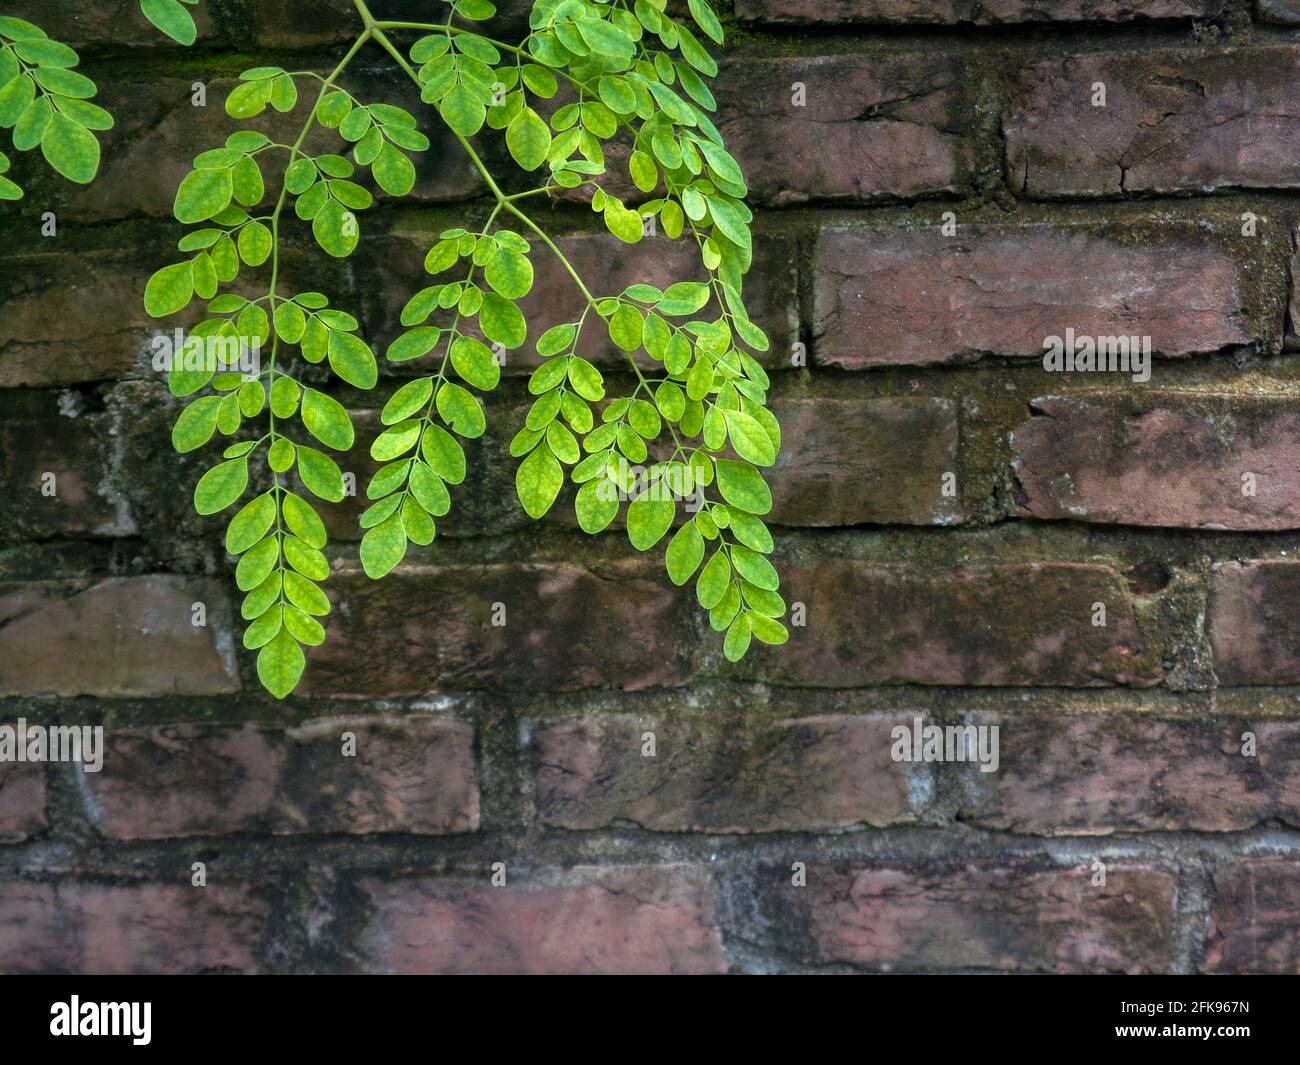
(1121, 744)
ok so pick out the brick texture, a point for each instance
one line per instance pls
(524, 751)
(809, 773)
(410, 775)
(594, 922)
(978, 917)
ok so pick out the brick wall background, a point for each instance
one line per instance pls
(477, 745)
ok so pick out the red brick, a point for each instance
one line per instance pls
(22, 800)
(1095, 774)
(1173, 121)
(984, 624)
(1253, 620)
(411, 775)
(869, 127)
(88, 928)
(1253, 926)
(656, 920)
(1160, 459)
(66, 319)
(914, 296)
(607, 266)
(719, 775)
(426, 628)
(878, 461)
(42, 433)
(120, 636)
(986, 12)
(1010, 916)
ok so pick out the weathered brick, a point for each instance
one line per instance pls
(862, 128)
(656, 920)
(426, 628)
(1095, 774)
(411, 775)
(1253, 926)
(986, 12)
(828, 771)
(1009, 916)
(607, 266)
(43, 434)
(914, 296)
(872, 461)
(120, 636)
(1253, 618)
(22, 800)
(979, 624)
(67, 318)
(1172, 121)
(1160, 459)
(280, 23)
(1285, 12)
(90, 928)
(105, 23)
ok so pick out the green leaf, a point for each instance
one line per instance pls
(351, 358)
(737, 641)
(31, 124)
(335, 229)
(750, 531)
(383, 547)
(169, 290)
(755, 568)
(302, 520)
(280, 664)
(502, 321)
(443, 452)
(538, 481)
(475, 363)
(743, 486)
(596, 504)
(320, 474)
(171, 17)
(221, 486)
(617, 94)
(327, 420)
(685, 553)
(625, 327)
(396, 441)
(393, 170)
(749, 438)
(509, 273)
(769, 630)
(462, 111)
(407, 400)
(704, 17)
(528, 139)
(70, 149)
(196, 424)
(556, 339)
(250, 524)
(648, 519)
(428, 489)
(714, 580)
(202, 195)
(461, 410)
